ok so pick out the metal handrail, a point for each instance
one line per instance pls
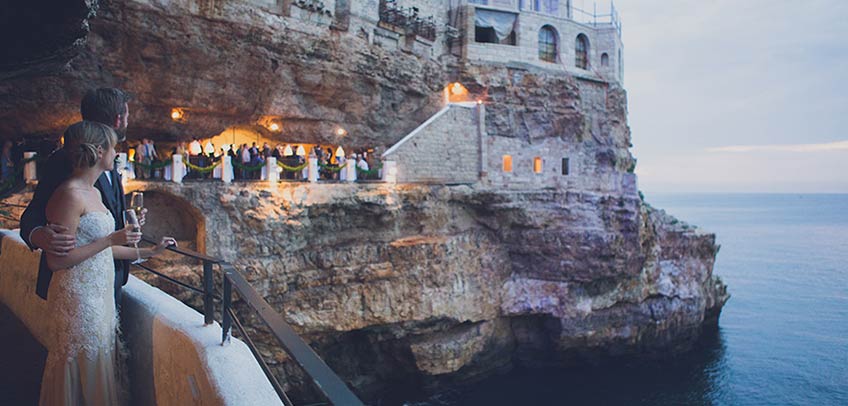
(333, 388)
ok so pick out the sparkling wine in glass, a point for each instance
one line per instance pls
(132, 220)
(137, 202)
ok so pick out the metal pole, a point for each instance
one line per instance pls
(208, 306)
(225, 314)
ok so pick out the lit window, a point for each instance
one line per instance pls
(581, 55)
(565, 166)
(537, 164)
(507, 163)
(547, 44)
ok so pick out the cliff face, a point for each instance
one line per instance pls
(432, 285)
(397, 285)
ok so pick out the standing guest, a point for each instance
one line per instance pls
(7, 165)
(277, 152)
(180, 148)
(342, 173)
(107, 106)
(361, 163)
(266, 151)
(245, 160)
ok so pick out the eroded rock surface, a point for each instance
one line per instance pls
(436, 285)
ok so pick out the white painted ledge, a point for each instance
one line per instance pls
(175, 359)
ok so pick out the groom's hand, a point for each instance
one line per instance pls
(53, 238)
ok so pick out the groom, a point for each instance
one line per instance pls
(107, 106)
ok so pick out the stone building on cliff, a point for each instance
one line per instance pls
(518, 235)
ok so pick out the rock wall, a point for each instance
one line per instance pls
(234, 64)
(399, 287)
(425, 286)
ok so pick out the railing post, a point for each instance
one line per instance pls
(208, 305)
(227, 169)
(177, 168)
(225, 313)
(30, 175)
(312, 169)
(271, 170)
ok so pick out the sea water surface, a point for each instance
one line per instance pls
(782, 337)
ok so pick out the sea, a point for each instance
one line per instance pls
(782, 338)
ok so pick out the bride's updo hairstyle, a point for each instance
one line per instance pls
(82, 140)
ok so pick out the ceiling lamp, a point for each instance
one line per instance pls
(274, 127)
(288, 151)
(176, 114)
(341, 131)
(456, 89)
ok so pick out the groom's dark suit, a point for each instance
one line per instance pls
(58, 170)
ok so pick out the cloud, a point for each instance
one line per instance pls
(828, 146)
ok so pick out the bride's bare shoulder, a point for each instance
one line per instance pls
(66, 202)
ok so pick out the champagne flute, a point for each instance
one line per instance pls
(137, 202)
(131, 219)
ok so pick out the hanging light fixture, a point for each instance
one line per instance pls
(456, 88)
(274, 127)
(288, 150)
(339, 152)
(209, 149)
(340, 131)
(176, 114)
(301, 151)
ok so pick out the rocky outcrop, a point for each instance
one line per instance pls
(435, 285)
(398, 287)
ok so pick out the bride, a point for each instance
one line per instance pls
(82, 345)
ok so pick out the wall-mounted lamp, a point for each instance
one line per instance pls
(288, 151)
(339, 152)
(456, 89)
(301, 151)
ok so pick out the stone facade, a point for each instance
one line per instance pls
(443, 150)
(603, 39)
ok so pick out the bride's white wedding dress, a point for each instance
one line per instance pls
(82, 348)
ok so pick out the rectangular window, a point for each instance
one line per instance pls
(565, 166)
(507, 163)
(495, 27)
(537, 164)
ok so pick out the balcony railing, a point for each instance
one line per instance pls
(407, 19)
(332, 387)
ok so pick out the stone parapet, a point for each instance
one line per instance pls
(175, 359)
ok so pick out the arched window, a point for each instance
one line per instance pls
(581, 54)
(547, 44)
(604, 59)
(537, 164)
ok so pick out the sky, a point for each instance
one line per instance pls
(737, 95)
